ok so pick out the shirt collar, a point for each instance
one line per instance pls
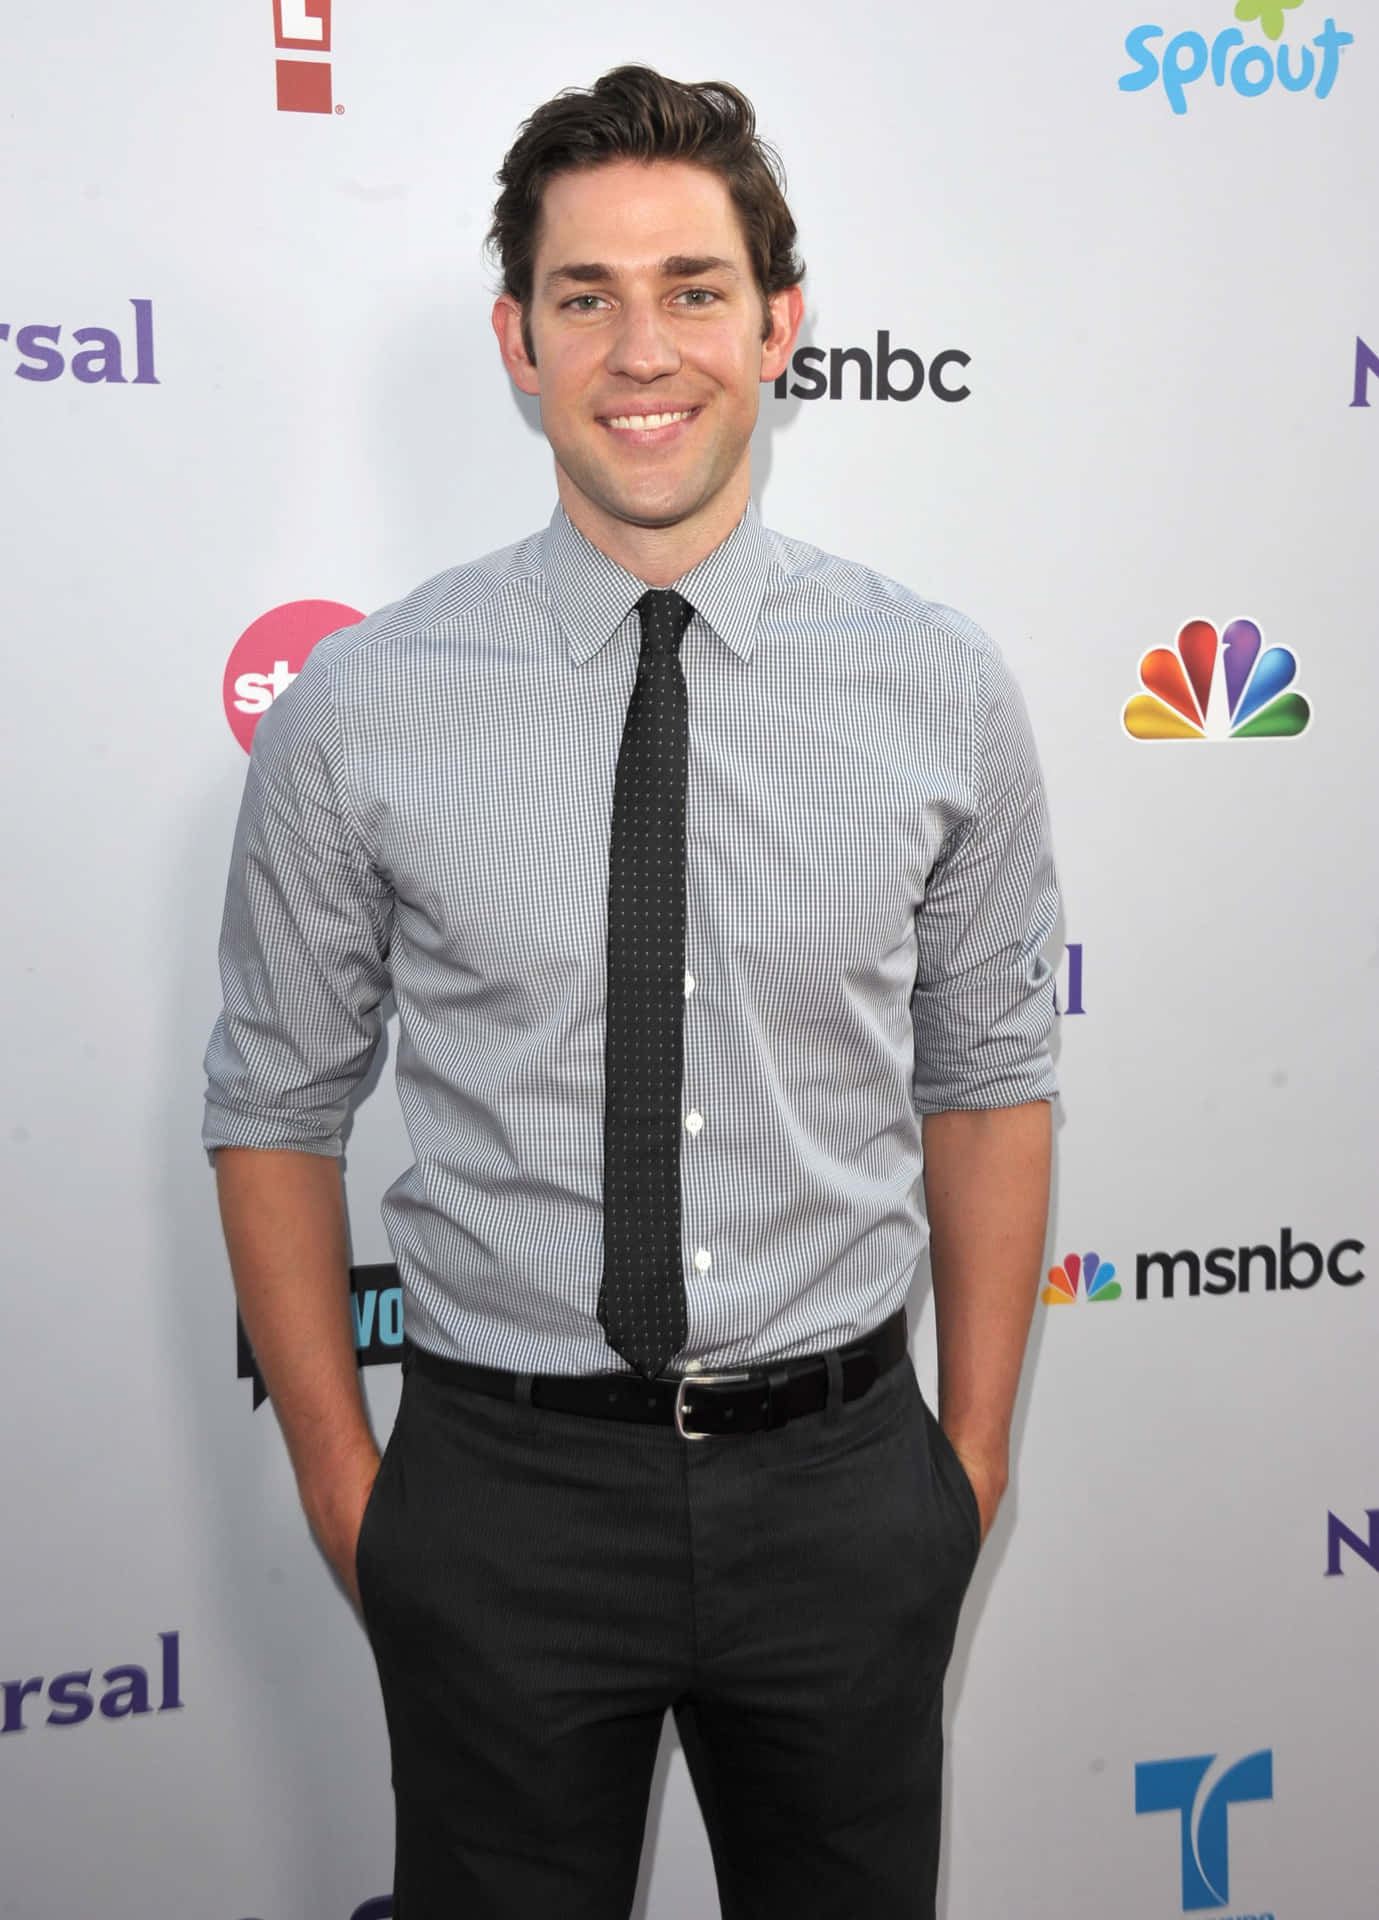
(593, 595)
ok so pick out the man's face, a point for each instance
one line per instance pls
(646, 321)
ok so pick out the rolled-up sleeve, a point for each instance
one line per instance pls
(304, 941)
(982, 1005)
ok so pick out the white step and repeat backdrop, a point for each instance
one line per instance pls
(1092, 352)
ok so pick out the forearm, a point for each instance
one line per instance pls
(284, 1220)
(986, 1182)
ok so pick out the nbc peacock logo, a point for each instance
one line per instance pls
(1081, 1276)
(1217, 687)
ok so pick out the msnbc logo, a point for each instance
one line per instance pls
(1098, 1277)
(1217, 688)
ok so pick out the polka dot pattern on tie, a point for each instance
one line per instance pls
(642, 1301)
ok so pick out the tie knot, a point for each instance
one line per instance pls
(665, 614)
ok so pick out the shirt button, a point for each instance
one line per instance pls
(693, 1122)
(703, 1260)
(689, 985)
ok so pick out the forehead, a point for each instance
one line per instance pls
(633, 213)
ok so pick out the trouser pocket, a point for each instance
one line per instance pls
(952, 1476)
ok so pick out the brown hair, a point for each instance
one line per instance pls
(634, 113)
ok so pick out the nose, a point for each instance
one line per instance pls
(643, 344)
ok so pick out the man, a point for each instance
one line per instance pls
(711, 876)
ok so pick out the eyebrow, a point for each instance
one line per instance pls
(676, 266)
(686, 266)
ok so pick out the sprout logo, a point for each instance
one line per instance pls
(1249, 68)
(1210, 687)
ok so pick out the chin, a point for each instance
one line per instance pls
(644, 512)
(665, 506)
(652, 517)
(658, 503)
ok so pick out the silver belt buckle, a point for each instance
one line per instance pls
(689, 1380)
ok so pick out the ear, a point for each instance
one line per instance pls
(787, 314)
(507, 324)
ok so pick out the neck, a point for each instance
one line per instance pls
(657, 555)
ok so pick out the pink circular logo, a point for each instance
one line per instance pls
(270, 654)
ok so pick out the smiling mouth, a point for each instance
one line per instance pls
(647, 422)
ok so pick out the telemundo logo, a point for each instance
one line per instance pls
(1181, 1787)
(1247, 66)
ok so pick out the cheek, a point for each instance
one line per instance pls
(564, 373)
(737, 369)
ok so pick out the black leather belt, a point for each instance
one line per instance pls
(697, 1405)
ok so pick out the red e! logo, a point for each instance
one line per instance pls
(270, 654)
(303, 85)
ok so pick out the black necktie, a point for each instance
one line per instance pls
(642, 1303)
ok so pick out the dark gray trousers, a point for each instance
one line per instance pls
(539, 1588)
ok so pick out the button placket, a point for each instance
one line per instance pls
(694, 1123)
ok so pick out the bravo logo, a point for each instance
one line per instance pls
(376, 1309)
(1229, 59)
(269, 655)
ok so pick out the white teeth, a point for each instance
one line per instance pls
(643, 422)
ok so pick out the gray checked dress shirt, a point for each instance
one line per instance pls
(870, 886)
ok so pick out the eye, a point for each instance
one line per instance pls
(585, 303)
(697, 296)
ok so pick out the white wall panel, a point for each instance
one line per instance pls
(1161, 312)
